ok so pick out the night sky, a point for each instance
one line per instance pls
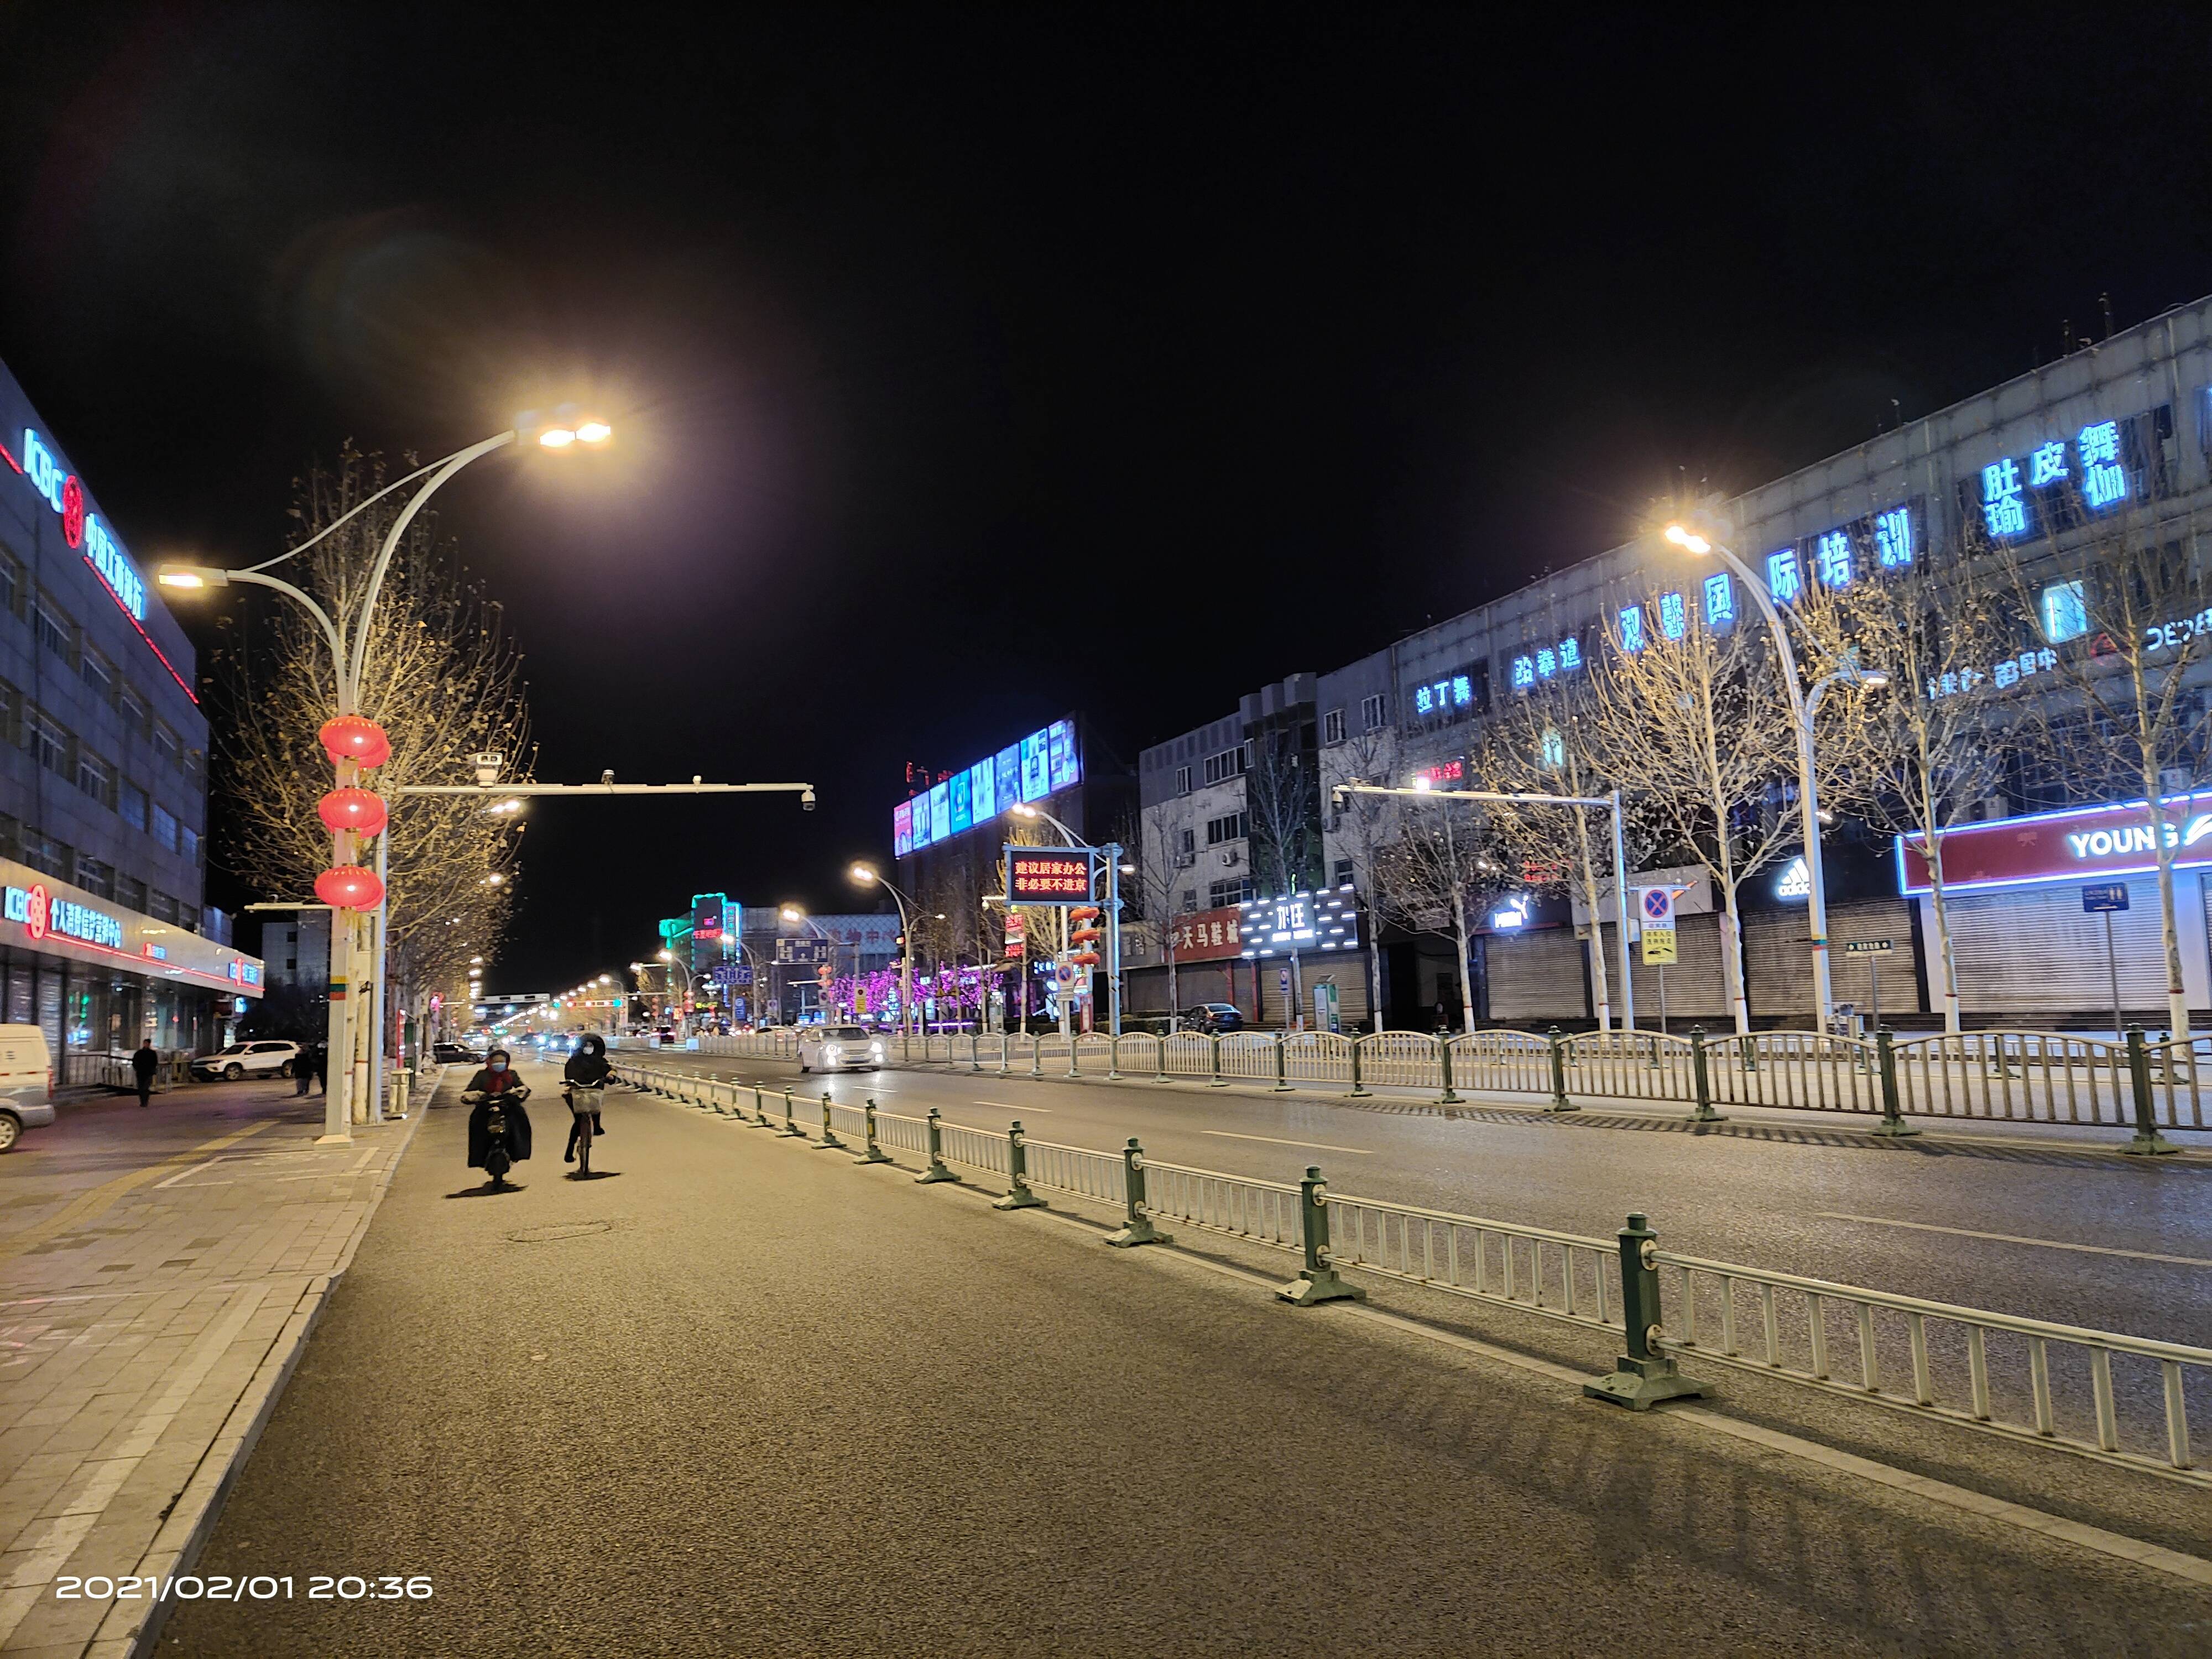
(969, 366)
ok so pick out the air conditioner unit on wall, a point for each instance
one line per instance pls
(1231, 859)
(1184, 860)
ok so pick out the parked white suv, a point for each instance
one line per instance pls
(839, 1048)
(248, 1059)
(27, 1082)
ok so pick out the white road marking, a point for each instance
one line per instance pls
(1001, 1105)
(1316, 1146)
(181, 1174)
(2015, 1239)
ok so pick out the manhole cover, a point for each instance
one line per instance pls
(560, 1229)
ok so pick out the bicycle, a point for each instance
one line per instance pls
(584, 1104)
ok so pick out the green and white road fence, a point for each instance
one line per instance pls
(2128, 1083)
(2106, 1396)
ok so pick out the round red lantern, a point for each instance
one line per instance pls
(350, 737)
(360, 810)
(349, 887)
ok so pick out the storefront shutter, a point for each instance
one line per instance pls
(1777, 944)
(1536, 975)
(1696, 988)
(2033, 949)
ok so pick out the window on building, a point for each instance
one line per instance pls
(188, 917)
(1228, 763)
(2065, 613)
(55, 629)
(95, 877)
(12, 583)
(48, 740)
(11, 836)
(131, 893)
(164, 742)
(1343, 876)
(1189, 900)
(188, 842)
(1228, 892)
(137, 714)
(95, 777)
(11, 713)
(98, 674)
(165, 826)
(1183, 780)
(1189, 842)
(44, 852)
(160, 906)
(1374, 711)
(131, 802)
(1234, 826)
(1332, 727)
(195, 767)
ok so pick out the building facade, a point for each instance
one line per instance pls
(106, 938)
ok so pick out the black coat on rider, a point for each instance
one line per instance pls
(507, 1086)
(589, 1067)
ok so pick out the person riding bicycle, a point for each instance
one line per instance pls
(588, 1069)
(499, 1081)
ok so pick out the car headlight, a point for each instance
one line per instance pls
(875, 1048)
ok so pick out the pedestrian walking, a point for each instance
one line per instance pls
(322, 1068)
(303, 1070)
(143, 1065)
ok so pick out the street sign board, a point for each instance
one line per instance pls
(1868, 947)
(803, 952)
(1655, 908)
(1016, 935)
(724, 973)
(1049, 875)
(2105, 896)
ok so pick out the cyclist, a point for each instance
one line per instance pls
(588, 1069)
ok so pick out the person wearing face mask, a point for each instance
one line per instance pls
(588, 1069)
(497, 1083)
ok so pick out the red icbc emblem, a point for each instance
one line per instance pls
(73, 512)
(34, 913)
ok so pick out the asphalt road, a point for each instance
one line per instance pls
(2031, 1227)
(742, 1397)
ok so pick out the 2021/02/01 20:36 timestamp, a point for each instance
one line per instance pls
(260, 1587)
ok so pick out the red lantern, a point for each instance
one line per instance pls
(357, 809)
(351, 738)
(349, 887)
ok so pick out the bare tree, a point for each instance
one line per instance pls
(1698, 721)
(1442, 868)
(2118, 610)
(1154, 839)
(1366, 823)
(1282, 796)
(1931, 745)
(443, 678)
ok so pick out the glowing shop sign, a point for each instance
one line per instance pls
(2092, 473)
(1548, 662)
(1324, 920)
(41, 915)
(82, 528)
(1042, 763)
(1796, 882)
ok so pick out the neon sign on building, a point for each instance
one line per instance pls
(82, 528)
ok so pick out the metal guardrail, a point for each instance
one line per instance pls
(2111, 1397)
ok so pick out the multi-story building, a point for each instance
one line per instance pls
(2122, 426)
(105, 936)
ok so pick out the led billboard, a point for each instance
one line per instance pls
(1042, 763)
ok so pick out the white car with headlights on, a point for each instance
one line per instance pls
(840, 1049)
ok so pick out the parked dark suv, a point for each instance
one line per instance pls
(1213, 1019)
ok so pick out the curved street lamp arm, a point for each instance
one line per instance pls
(398, 483)
(452, 464)
(322, 619)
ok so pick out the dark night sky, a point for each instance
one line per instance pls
(973, 366)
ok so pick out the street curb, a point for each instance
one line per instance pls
(177, 1546)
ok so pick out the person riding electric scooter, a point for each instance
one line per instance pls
(499, 1129)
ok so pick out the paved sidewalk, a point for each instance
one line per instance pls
(159, 1271)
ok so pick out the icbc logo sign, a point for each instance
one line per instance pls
(34, 908)
(1047, 876)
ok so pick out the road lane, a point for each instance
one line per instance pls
(1762, 1195)
(740, 1397)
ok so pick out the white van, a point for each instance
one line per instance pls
(27, 1082)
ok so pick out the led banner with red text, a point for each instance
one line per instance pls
(2087, 841)
(1049, 875)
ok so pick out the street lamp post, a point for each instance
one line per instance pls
(863, 875)
(1801, 708)
(356, 1084)
(793, 913)
(1112, 852)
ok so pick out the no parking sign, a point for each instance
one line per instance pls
(1658, 907)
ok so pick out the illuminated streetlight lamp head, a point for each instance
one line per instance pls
(863, 873)
(593, 432)
(1683, 536)
(668, 956)
(1422, 784)
(1021, 811)
(789, 913)
(1874, 678)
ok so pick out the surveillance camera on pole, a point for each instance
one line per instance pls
(488, 765)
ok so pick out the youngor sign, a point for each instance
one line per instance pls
(2093, 841)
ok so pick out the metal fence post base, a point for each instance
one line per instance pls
(2151, 1145)
(1359, 1091)
(1645, 1375)
(1113, 1060)
(1893, 1126)
(1217, 1081)
(1559, 1101)
(790, 1124)
(1640, 1385)
(1282, 1071)
(2147, 1142)
(936, 1171)
(874, 1154)
(1021, 1198)
(1315, 1285)
(1136, 1227)
(761, 1120)
(1443, 1064)
(1704, 1112)
(829, 1141)
(1318, 1281)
